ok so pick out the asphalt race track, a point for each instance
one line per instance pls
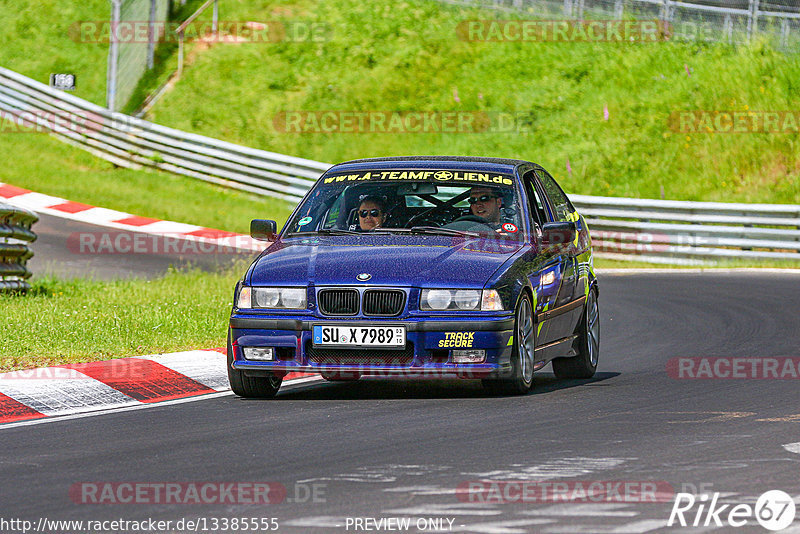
(57, 251)
(376, 449)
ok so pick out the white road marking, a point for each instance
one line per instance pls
(329, 521)
(503, 527)
(793, 447)
(423, 490)
(64, 396)
(204, 366)
(170, 227)
(560, 468)
(100, 215)
(635, 527)
(381, 473)
(585, 509)
(34, 201)
(293, 384)
(446, 510)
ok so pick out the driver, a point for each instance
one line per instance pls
(371, 212)
(486, 203)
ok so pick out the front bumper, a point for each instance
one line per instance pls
(428, 353)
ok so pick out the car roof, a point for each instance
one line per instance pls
(499, 165)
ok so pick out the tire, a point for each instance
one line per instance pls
(251, 387)
(339, 376)
(522, 356)
(584, 364)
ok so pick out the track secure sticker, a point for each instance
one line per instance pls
(304, 221)
(510, 227)
(457, 340)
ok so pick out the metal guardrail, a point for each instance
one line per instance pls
(669, 231)
(653, 230)
(15, 236)
(135, 143)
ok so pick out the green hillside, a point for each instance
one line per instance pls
(406, 56)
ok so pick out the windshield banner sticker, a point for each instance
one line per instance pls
(438, 176)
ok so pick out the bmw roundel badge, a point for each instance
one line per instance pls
(363, 277)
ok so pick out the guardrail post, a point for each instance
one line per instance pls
(215, 17)
(784, 32)
(151, 36)
(727, 27)
(752, 20)
(180, 52)
(113, 56)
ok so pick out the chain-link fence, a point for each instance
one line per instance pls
(732, 21)
(136, 28)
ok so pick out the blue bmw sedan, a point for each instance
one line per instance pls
(478, 268)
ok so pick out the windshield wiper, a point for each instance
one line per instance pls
(435, 230)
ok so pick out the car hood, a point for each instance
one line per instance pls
(421, 261)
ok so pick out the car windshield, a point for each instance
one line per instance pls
(411, 201)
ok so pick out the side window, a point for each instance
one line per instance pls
(534, 200)
(561, 204)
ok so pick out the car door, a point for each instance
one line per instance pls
(548, 270)
(561, 317)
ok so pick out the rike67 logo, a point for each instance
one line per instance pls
(774, 510)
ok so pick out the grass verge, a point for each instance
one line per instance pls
(70, 321)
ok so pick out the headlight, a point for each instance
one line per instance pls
(467, 299)
(460, 300)
(437, 299)
(293, 298)
(282, 298)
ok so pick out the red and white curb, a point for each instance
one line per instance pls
(125, 383)
(59, 207)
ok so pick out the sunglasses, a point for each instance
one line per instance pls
(374, 213)
(482, 198)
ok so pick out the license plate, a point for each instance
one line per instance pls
(359, 336)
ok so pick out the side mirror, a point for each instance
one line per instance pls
(263, 229)
(555, 234)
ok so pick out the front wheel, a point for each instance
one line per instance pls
(584, 364)
(521, 378)
(251, 387)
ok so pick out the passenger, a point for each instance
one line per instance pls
(371, 212)
(485, 203)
